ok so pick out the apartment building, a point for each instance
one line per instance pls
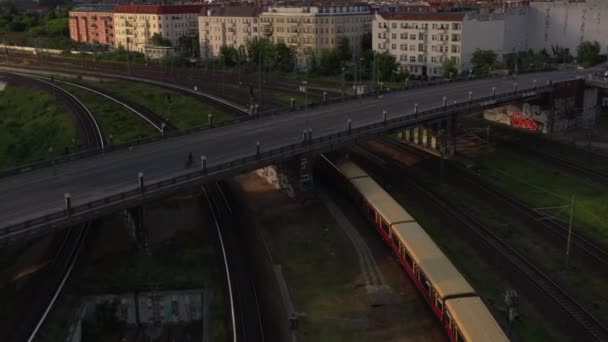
(135, 24)
(310, 30)
(422, 42)
(230, 26)
(92, 24)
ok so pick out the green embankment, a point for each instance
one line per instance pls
(114, 119)
(31, 122)
(182, 111)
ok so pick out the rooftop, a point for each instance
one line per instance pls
(94, 8)
(233, 11)
(423, 16)
(159, 9)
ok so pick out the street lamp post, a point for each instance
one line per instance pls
(342, 88)
(306, 93)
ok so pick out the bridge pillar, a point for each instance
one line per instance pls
(416, 135)
(293, 176)
(425, 135)
(450, 136)
(133, 219)
(434, 132)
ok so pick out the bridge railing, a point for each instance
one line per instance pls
(109, 148)
(273, 155)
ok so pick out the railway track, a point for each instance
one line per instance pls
(41, 296)
(530, 140)
(246, 318)
(580, 243)
(87, 124)
(585, 319)
(224, 85)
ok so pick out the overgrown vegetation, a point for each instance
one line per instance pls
(588, 53)
(45, 31)
(33, 127)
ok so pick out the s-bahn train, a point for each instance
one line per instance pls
(455, 303)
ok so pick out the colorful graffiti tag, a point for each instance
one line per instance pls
(295, 178)
(528, 116)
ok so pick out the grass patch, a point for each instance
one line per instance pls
(56, 325)
(183, 111)
(542, 185)
(31, 121)
(318, 266)
(285, 98)
(581, 277)
(184, 263)
(115, 120)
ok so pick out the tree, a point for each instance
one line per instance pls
(561, 54)
(449, 68)
(259, 49)
(588, 53)
(387, 65)
(229, 55)
(330, 62)
(284, 57)
(344, 50)
(482, 61)
(158, 40)
(312, 64)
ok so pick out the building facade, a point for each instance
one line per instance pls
(567, 24)
(422, 42)
(310, 30)
(230, 26)
(92, 24)
(136, 24)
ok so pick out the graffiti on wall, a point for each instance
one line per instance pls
(527, 116)
(294, 177)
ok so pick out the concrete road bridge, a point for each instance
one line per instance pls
(33, 202)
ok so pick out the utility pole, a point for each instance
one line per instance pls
(569, 231)
(260, 77)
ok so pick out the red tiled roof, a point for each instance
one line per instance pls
(424, 16)
(158, 9)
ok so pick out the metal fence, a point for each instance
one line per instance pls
(270, 156)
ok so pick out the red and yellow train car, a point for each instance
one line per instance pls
(453, 300)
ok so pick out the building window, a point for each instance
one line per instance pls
(413, 59)
(379, 46)
(412, 36)
(394, 25)
(456, 26)
(455, 49)
(394, 36)
(455, 37)
(404, 36)
(394, 47)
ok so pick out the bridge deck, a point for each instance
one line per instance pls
(37, 193)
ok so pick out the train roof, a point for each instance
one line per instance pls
(382, 202)
(474, 320)
(350, 170)
(444, 276)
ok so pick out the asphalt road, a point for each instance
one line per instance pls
(36, 193)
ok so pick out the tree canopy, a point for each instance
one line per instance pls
(483, 60)
(158, 40)
(449, 69)
(588, 53)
